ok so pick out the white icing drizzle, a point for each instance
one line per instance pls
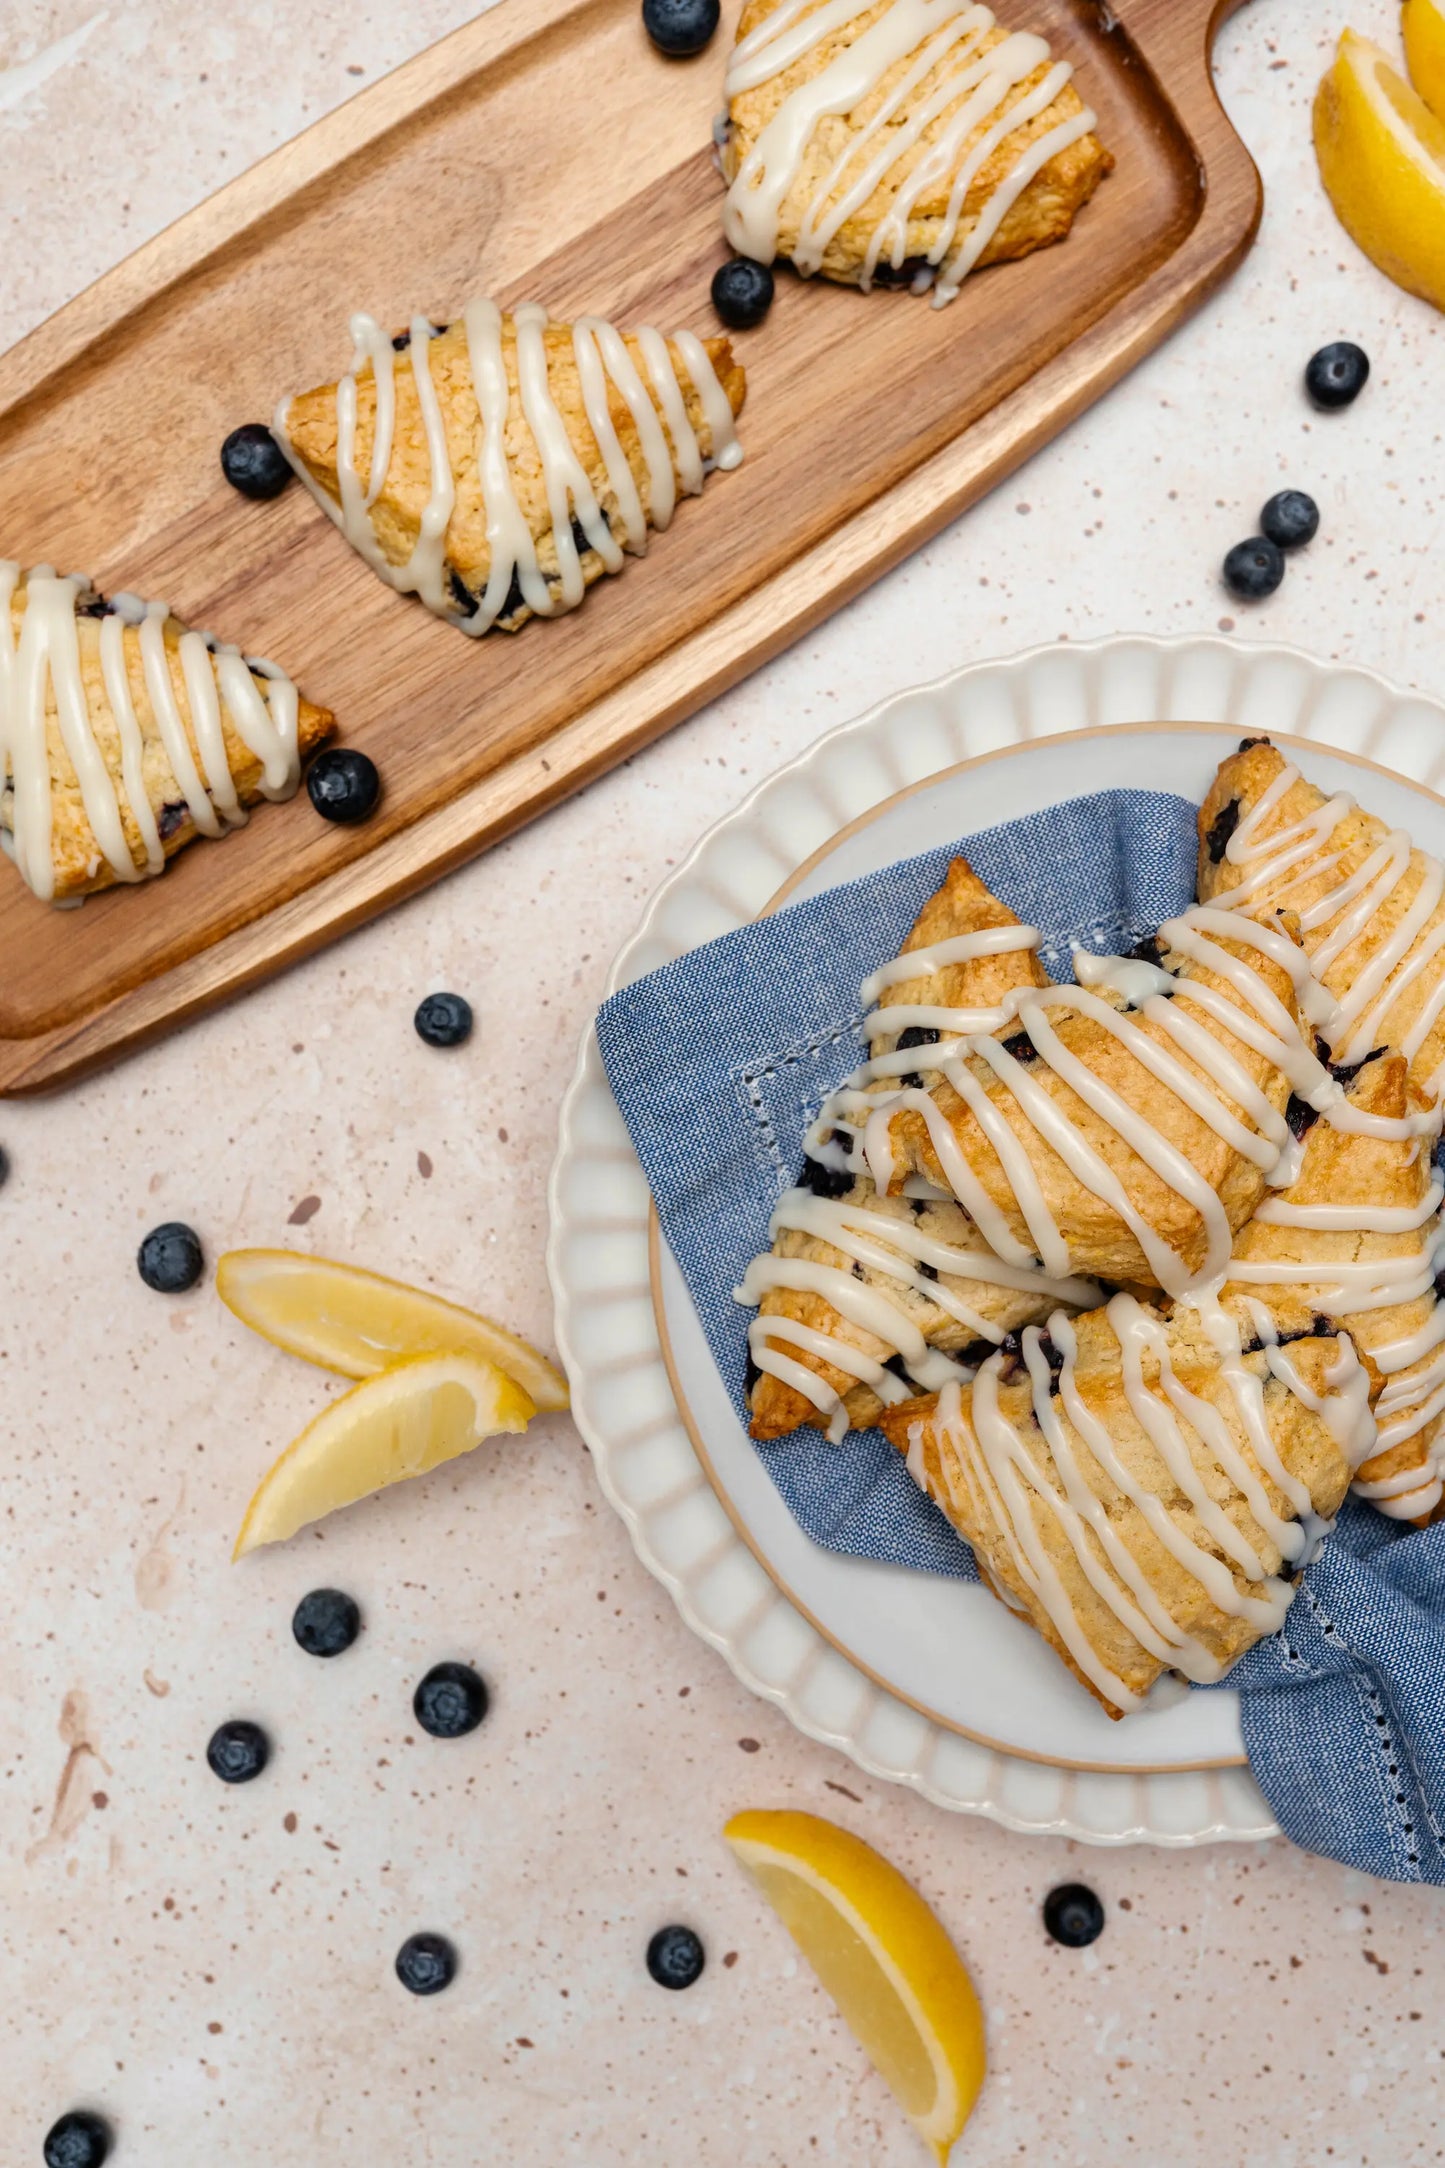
(1013, 1492)
(980, 84)
(897, 1249)
(42, 666)
(1271, 867)
(603, 361)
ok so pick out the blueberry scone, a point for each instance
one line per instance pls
(497, 466)
(1371, 905)
(124, 736)
(902, 142)
(864, 1298)
(1123, 1128)
(1352, 1243)
(1143, 1495)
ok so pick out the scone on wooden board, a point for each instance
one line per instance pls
(900, 143)
(124, 735)
(497, 466)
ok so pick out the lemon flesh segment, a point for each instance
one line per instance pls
(1381, 155)
(1423, 24)
(402, 1423)
(358, 1323)
(882, 1955)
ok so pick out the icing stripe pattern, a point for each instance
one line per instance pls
(604, 364)
(41, 667)
(976, 98)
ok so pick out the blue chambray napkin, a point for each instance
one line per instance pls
(719, 1063)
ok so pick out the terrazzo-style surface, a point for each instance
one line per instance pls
(214, 1967)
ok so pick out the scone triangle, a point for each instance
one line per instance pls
(124, 735)
(495, 467)
(906, 142)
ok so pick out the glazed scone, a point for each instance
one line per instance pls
(124, 736)
(1122, 1129)
(499, 466)
(861, 1287)
(1141, 1502)
(1371, 905)
(1353, 1240)
(893, 144)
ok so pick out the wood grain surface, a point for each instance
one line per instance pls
(545, 152)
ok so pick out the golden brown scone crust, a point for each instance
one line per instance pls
(80, 866)
(1043, 213)
(1301, 1439)
(1339, 1167)
(777, 1409)
(962, 905)
(1099, 1241)
(396, 515)
(1241, 782)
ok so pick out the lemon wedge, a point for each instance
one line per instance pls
(1382, 159)
(359, 1323)
(1423, 24)
(882, 1956)
(408, 1420)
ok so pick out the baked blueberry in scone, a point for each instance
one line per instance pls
(496, 467)
(124, 735)
(862, 1298)
(1144, 1498)
(900, 143)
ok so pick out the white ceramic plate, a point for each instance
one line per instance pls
(926, 1681)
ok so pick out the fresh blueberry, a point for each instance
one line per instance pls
(1290, 519)
(254, 462)
(238, 1751)
(450, 1701)
(1254, 569)
(742, 292)
(675, 1957)
(1073, 1915)
(680, 28)
(425, 1964)
(326, 1622)
(1336, 375)
(343, 785)
(78, 2140)
(171, 1259)
(444, 1020)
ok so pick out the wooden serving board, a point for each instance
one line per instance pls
(544, 151)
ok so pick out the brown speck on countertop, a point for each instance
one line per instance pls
(100, 1799)
(844, 1790)
(423, 1166)
(501, 1136)
(306, 1210)
(1378, 1962)
(289, 1825)
(749, 1746)
(214, 2026)
(523, 2041)
(731, 1959)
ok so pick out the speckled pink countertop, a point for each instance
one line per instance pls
(215, 1967)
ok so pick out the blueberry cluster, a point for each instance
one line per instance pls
(1255, 567)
